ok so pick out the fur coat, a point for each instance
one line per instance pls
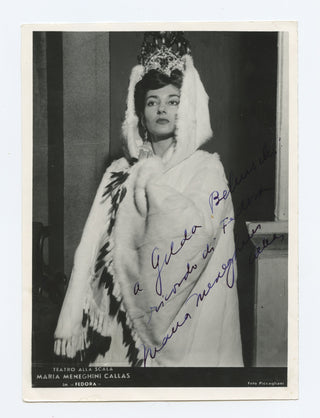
(166, 294)
(154, 277)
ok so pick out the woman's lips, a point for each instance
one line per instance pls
(162, 121)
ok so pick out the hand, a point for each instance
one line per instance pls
(149, 170)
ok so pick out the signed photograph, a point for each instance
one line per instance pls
(157, 223)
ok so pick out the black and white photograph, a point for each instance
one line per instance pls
(159, 216)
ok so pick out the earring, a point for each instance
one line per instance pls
(146, 135)
(174, 139)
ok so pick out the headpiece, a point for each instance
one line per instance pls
(165, 52)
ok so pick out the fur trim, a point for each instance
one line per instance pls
(193, 120)
(130, 129)
(79, 343)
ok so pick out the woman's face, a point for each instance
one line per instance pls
(160, 112)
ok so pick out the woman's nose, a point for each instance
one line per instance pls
(161, 109)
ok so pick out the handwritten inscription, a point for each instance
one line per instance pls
(247, 202)
(241, 245)
(225, 222)
(265, 244)
(148, 352)
(136, 288)
(207, 251)
(216, 197)
(173, 291)
(227, 270)
(226, 267)
(158, 263)
(235, 181)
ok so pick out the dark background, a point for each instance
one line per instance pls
(80, 88)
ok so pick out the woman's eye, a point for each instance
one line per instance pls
(174, 102)
(151, 103)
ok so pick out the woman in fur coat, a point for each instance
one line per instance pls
(154, 277)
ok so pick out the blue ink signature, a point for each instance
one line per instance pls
(215, 199)
(235, 181)
(156, 263)
(207, 251)
(225, 222)
(147, 351)
(245, 203)
(265, 244)
(226, 269)
(173, 290)
(241, 246)
(136, 288)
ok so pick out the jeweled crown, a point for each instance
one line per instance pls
(163, 51)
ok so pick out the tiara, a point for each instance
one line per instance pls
(163, 51)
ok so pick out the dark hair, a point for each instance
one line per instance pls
(153, 80)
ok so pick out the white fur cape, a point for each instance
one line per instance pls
(192, 319)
